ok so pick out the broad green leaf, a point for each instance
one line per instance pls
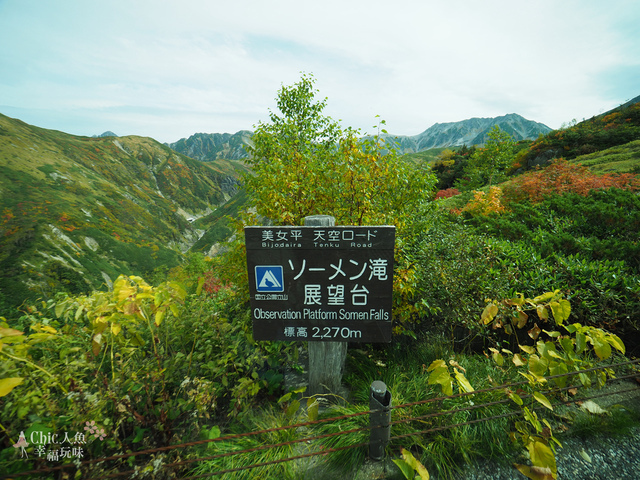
(292, 409)
(567, 344)
(540, 398)
(8, 384)
(559, 368)
(581, 342)
(59, 310)
(312, 409)
(602, 348)
(538, 366)
(497, 357)
(585, 379)
(285, 398)
(407, 471)
(514, 397)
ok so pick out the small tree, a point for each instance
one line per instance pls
(487, 165)
(304, 163)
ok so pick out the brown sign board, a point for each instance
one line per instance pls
(325, 284)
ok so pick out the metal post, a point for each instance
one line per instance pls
(379, 419)
(326, 359)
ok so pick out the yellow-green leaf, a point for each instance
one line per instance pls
(540, 398)
(488, 313)
(561, 310)
(535, 473)
(615, 341)
(542, 311)
(8, 384)
(441, 376)
(522, 319)
(538, 366)
(312, 409)
(159, 316)
(602, 349)
(518, 360)
(514, 397)
(292, 409)
(201, 281)
(527, 349)
(437, 364)
(463, 383)
(415, 465)
(115, 328)
(542, 456)
(96, 343)
(9, 332)
(497, 357)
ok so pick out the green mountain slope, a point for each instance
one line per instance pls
(77, 211)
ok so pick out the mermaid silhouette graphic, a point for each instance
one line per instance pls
(22, 443)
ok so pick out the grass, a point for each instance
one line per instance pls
(619, 159)
(618, 421)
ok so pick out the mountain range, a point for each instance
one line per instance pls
(468, 132)
(75, 212)
(473, 131)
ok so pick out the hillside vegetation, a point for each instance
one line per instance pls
(512, 264)
(76, 211)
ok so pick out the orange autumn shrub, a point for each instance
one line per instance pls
(485, 205)
(562, 176)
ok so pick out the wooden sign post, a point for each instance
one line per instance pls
(326, 359)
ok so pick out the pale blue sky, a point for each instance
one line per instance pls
(169, 69)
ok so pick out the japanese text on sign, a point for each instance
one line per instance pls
(321, 283)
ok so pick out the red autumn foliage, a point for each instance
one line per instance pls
(562, 176)
(447, 193)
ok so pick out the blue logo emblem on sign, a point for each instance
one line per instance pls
(269, 278)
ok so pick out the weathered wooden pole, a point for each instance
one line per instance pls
(326, 359)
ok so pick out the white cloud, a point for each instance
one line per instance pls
(172, 68)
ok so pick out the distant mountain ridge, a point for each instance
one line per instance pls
(213, 146)
(77, 211)
(208, 147)
(468, 132)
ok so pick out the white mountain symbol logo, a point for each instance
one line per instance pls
(269, 280)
